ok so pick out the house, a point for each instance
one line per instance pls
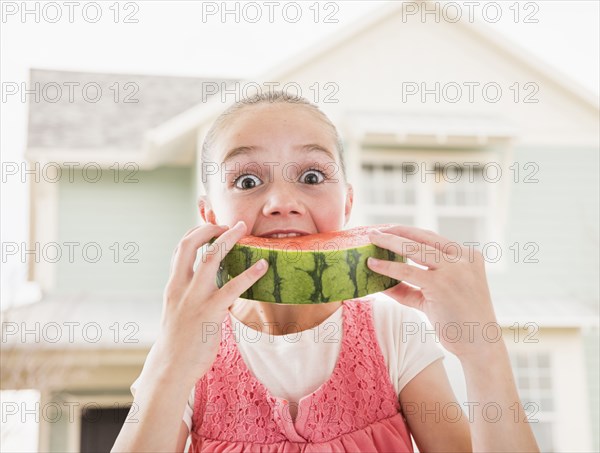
(419, 104)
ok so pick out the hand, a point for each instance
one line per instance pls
(194, 306)
(452, 291)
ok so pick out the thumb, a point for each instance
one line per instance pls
(406, 295)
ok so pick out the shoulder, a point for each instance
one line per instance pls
(399, 330)
(404, 333)
(390, 319)
(389, 313)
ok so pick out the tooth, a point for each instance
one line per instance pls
(284, 235)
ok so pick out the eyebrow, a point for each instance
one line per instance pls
(246, 150)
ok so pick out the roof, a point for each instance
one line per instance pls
(440, 128)
(120, 321)
(183, 127)
(548, 313)
(108, 110)
(172, 109)
(109, 321)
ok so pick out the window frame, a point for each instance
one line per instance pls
(425, 212)
(533, 375)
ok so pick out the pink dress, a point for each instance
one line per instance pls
(355, 410)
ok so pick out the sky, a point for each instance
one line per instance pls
(191, 39)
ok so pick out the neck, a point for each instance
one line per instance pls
(281, 319)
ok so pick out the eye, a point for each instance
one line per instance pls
(312, 176)
(247, 182)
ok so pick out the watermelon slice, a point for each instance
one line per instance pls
(310, 269)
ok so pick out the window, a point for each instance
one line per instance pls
(390, 194)
(533, 374)
(452, 199)
(100, 427)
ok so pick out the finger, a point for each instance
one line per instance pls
(177, 247)
(400, 271)
(420, 253)
(209, 265)
(190, 231)
(182, 268)
(428, 237)
(406, 295)
(236, 286)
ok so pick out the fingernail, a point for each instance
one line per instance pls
(261, 264)
(240, 223)
(373, 261)
(376, 232)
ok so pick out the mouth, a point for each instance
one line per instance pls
(277, 234)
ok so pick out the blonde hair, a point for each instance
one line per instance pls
(272, 97)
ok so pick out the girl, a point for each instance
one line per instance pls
(366, 385)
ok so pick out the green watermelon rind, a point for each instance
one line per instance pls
(309, 277)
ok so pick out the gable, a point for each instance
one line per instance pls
(446, 69)
(372, 66)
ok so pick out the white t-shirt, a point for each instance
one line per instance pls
(407, 342)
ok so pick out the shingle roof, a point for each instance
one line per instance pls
(96, 316)
(110, 122)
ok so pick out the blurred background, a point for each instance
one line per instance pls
(478, 120)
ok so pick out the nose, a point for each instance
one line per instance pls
(283, 201)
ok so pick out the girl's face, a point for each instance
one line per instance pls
(280, 171)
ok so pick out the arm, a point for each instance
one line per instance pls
(183, 352)
(154, 423)
(490, 381)
(452, 290)
(429, 405)
(184, 432)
